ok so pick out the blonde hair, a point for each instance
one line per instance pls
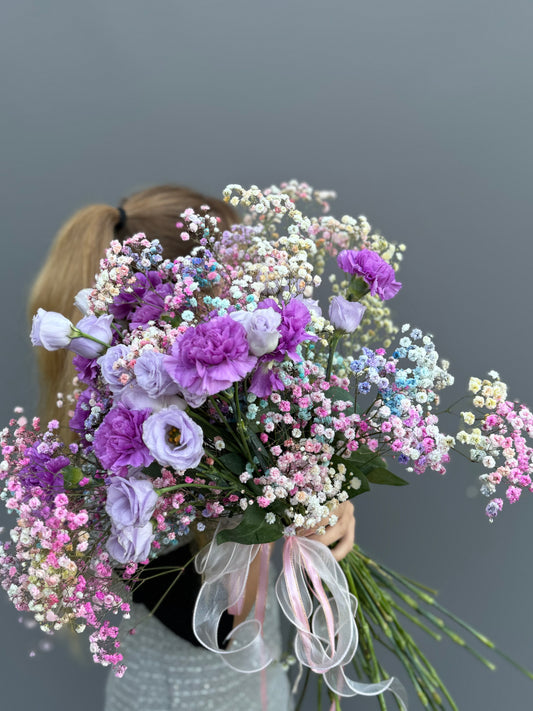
(74, 257)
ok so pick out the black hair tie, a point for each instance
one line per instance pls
(121, 220)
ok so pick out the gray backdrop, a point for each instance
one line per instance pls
(418, 113)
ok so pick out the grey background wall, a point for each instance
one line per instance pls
(418, 113)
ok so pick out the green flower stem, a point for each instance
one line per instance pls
(241, 427)
(332, 348)
(416, 622)
(423, 676)
(167, 489)
(81, 334)
(304, 689)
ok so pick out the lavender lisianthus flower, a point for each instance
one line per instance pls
(135, 398)
(266, 379)
(111, 370)
(131, 501)
(210, 357)
(312, 304)
(118, 442)
(51, 330)
(261, 328)
(174, 439)
(152, 376)
(376, 272)
(98, 327)
(345, 315)
(130, 543)
(81, 301)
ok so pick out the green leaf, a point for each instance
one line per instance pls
(71, 475)
(337, 393)
(234, 462)
(380, 475)
(153, 470)
(252, 529)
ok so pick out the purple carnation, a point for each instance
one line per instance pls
(174, 439)
(210, 357)
(130, 502)
(377, 273)
(43, 469)
(130, 543)
(295, 317)
(145, 302)
(152, 307)
(266, 379)
(82, 410)
(118, 442)
(87, 369)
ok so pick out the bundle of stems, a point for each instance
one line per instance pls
(385, 600)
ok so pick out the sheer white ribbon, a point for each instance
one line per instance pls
(225, 570)
(326, 637)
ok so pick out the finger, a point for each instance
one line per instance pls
(345, 544)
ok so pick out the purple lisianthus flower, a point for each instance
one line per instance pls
(96, 326)
(266, 379)
(346, 315)
(152, 376)
(295, 317)
(130, 543)
(111, 369)
(118, 442)
(261, 328)
(174, 439)
(51, 330)
(377, 273)
(131, 501)
(210, 357)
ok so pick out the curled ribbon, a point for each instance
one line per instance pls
(225, 569)
(326, 637)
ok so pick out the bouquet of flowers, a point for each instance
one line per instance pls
(212, 391)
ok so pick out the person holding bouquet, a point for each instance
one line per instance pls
(167, 666)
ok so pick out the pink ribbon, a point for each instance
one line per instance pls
(326, 636)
